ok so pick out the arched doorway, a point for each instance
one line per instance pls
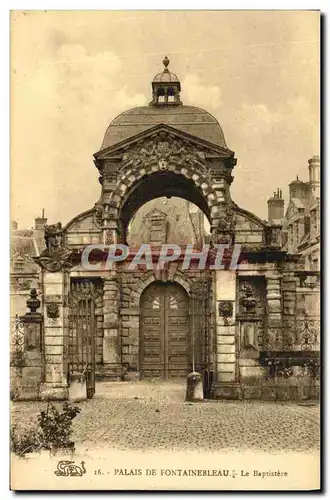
(164, 332)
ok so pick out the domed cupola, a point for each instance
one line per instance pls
(166, 88)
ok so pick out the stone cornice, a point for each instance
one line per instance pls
(119, 149)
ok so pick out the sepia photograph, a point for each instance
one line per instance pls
(165, 250)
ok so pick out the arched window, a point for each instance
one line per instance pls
(156, 303)
(173, 302)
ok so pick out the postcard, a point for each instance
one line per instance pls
(165, 250)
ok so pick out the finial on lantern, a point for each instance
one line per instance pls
(166, 62)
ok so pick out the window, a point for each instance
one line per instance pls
(173, 302)
(156, 303)
(156, 235)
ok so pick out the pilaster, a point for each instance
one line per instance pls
(274, 338)
(111, 324)
(55, 384)
(226, 384)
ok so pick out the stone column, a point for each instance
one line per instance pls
(111, 339)
(274, 339)
(55, 384)
(226, 385)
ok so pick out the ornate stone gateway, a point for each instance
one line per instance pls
(246, 328)
(83, 301)
(164, 332)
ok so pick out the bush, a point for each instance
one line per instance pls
(53, 431)
(26, 440)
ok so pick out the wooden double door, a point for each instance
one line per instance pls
(164, 332)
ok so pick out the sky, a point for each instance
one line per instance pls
(72, 72)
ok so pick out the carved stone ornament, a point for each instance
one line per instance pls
(53, 311)
(225, 230)
(248, 301)
(103, 213)
(98, 216)
(226, 309)
(162, 150)
(109, 237)
(56, 257)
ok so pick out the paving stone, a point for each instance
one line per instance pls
(123, 415)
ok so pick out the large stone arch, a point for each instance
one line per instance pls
(157, 184)
(178, 278)
(163, 162)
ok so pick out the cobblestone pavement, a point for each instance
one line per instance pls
(147, 415)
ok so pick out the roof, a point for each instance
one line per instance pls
(297, 203)
(166, 77)
(305, 239)
(26, 244)
(190, 119)
(23, 246)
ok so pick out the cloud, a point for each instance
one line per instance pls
(198, 94)
(257, 119)
(60, 112)
(291, 118)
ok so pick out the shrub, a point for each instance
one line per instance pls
(26, 440)
(57, 426)
(53, 430)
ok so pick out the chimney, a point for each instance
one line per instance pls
(276, 206)
(314, 175)
(39, 222)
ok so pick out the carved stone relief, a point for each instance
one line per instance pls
(226, 309)
(252, 313)
(162, 150)
(53, 310)
(224, 233)
(56, 257)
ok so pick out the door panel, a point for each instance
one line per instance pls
(164, 335)
(177, 314)
(151, 338)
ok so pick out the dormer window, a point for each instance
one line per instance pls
(157, 223)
